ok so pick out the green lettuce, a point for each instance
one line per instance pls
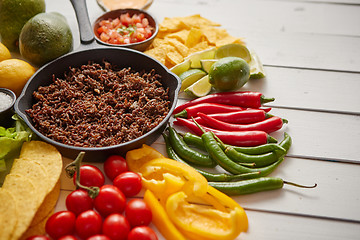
(11, 140)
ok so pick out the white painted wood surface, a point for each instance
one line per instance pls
(311, 53)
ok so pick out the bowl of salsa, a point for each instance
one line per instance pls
(131, 28)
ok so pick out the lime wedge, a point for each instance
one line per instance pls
(207, 63)
(233, 50)
(200, 88)
(196, 57)
(181, 67)
(190, 76)
(256, 67)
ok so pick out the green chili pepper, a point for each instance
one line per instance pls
(226, 163)
(260, 160)
(253, 185)
(188, 154)
(192, 139)
(213, 177)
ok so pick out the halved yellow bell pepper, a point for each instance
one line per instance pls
(204, 222)
(137, 157)
(161, 219)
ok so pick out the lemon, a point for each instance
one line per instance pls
(233, 50)
(200, 88)
(4, 52)
(190, 76)
(256, 67)
(207, 63)
(229, 73)
(196, 57)
(14, 73)
(181, 67)
(45, 37)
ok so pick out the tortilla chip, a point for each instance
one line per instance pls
(181, 35)
(181, 48)
(38, 229)
(227, 40)
(171, 25)
(47, 205)
(197, 21)
(195, 36)
(8, 214)
(27, 201)
(174, 57)
(47, 155)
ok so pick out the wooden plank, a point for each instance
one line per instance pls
(270, 226)
(269, 16)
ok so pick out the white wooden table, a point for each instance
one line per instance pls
(311, 53)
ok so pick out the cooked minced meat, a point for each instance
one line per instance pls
(99, 105)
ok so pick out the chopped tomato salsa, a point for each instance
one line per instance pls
(125, 29)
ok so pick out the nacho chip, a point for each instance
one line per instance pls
(197, 21)
(38, 229)
(8, 214)
(181, 35)
(181, 48)
(195, 36)
(26, 201)
(47, 205)
(174, 57)
(47, 155)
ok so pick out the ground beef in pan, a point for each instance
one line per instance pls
(98, 105)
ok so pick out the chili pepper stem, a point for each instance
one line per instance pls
(264, 99)
(299, 185)
(198, 125)
(74, 167)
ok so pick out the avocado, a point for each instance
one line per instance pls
(13, 15)
(45, 37)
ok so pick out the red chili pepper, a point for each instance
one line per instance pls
(207, 108)
(235, 138)
(269, 125)
(245, 99)
(239, 117)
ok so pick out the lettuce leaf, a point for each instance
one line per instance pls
(11, 140)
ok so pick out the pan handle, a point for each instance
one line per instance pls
(86, 33)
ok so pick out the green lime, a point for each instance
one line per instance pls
(207, 63)
(190, 76)
(196, 57)
(13, 16)
(45, 37)
(256, 67)
(200, 88)
(181, 67)
(229, 73)
(233, 50)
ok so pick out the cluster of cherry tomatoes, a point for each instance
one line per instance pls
(110, 215)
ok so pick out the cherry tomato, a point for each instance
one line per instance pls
(114, 165)
(99, 237)
(129, 183)
(110, 200)
(138, 212)
(88, 224)
(79, 201)
(68, 237)
(116, 227)
(38, 237)
(60, 224)
(90, 176)
(142, 233)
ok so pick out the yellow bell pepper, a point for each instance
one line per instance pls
(204, 222)
(137, 157)
(161, 219)
(184, 205)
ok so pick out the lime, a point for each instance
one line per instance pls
(190, 76)
(233, 50)
(207, 63)
(229, 73)
(196, 57)
(256, 67)
(45, 37)
(200, 88)
(181, 67)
